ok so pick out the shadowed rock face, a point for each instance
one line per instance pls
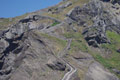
(106, 0)
(112, 1)
(56, 65)
(27, 57)
(115, 1)
(24, 54)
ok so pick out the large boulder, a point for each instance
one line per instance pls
(56, 64)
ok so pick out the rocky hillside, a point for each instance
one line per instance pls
(73, 40)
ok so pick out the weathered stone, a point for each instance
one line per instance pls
(116, 71)
(96, 33)
(118, 50)
(56, 65)
(3, 45)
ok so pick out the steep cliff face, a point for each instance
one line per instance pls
(74, 40)
(26, 55)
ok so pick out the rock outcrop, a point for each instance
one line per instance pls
(56, 65)
(112, 1)
(95, 34)
(21, 49)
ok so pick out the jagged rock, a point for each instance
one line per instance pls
(69, 21)
(60, 7)
(3, 45)
(31, 18)
(27, 53)
(65, 5)
(25, 25)
(75, 15)
(115, 1)
(112, 1)
(1, 33)
(93, 9)
(96, 33)
(118, 50)
(68, 4)
(106, 0)
(9, 35)
(56, 65)
(116, 71)
(6, 71)
(94, 37)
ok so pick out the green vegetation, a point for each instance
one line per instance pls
(55, 23)
(3, 22)
(77, 45)
(59, 41)
(109, 63)
(114, 37)
(102, 60)
(113, 59)
(113, 46)
(75, 35)
(57, 44)
(78, 42)
(115, 42)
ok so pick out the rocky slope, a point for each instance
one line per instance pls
(73, 40)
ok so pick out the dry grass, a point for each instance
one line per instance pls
(63, 13)
(6, 22)
(56, 44)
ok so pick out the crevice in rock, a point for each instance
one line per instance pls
(12, 46)
(1, 64)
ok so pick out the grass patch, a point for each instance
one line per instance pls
(57, 44)
(114, 37)
(102, 60)
(108, 63)
(115, 42)
(113, 61)
(113, 46)
(55, 23)
(61, 15)
(59, 41)
(5, 22)
(75, 35)
(78, 43)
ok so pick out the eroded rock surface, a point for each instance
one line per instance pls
(102, 20)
